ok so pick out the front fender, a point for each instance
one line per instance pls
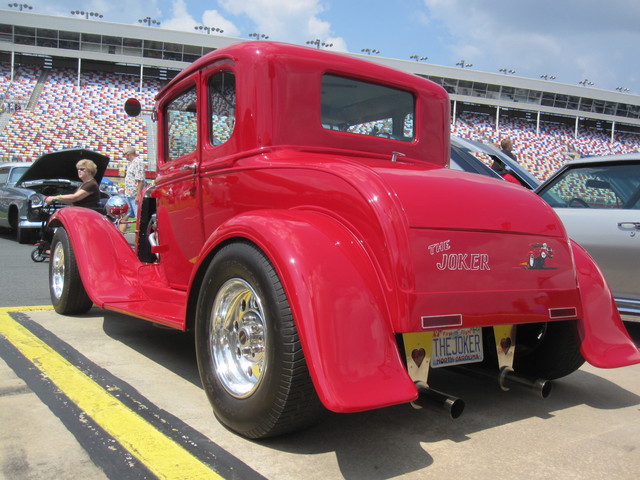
(338, 305)
(108, 265)
(605, 341)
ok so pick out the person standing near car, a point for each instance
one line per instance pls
(506, 145)
(88, 194)
(133, 182)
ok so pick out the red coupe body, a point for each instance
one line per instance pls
(334, 172)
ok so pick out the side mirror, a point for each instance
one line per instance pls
(132, 107)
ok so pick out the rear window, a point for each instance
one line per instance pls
(366, 108)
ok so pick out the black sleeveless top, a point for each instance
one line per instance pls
(93, 198)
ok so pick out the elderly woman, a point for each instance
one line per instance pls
(88, 194)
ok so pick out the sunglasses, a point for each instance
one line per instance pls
(81, 169)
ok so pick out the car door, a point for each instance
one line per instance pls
(177, 184)
(600, 208)
(4, 204)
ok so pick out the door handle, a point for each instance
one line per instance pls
(635, 225)
(193, 166)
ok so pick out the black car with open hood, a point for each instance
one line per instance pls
(53, 173)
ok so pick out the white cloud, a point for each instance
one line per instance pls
(571, 39)
(180, 19)
(295, 21)
(213, 18)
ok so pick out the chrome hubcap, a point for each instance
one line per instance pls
(237, 338)
(57, 270)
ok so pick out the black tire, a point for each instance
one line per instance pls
(68, 295)
(547, 350)
(26, 235)
(265, 390)
(37, 255)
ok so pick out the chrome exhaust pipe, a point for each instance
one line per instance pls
(508, 379)
(539, 386)
(435, 400)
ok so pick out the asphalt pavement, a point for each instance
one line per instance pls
(107, 396)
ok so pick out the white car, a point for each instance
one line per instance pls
(598, 200)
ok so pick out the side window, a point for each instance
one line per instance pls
(607, 186)
(182, 124)
(4, 175)
(222, 106)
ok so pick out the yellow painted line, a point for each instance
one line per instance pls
(164, 457)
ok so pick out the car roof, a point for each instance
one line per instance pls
(625, 157)
(15, 164)
(512, 166)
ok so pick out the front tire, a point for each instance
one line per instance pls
(68, 295)
(37, 255)
(25, 235)
(251, 363)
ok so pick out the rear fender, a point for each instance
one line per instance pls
(108, 266)
(337, 302)
(605, 341)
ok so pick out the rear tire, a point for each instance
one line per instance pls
(68, 295)
(548, 350)
(251, 363)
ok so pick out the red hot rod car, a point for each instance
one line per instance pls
(306, 226)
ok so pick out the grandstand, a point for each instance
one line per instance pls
(63, 83)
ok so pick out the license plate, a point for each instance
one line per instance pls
(456, 347)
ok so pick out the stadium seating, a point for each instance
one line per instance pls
(544, 152)
(87, 112)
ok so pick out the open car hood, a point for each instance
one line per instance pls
(62, 165)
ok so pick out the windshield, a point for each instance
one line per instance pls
(16, 173)
(366, 108)
(596, 186)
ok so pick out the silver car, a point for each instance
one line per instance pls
(13, 201)
(598, 200)
(51, 174)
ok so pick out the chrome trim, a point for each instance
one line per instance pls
(629, 309)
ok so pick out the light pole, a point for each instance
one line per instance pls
(547, 77)
(258, 36)
(507, 71)
(418, 58)
(370, 51)
(21, 6)
(586, 83)
(149, 21)
(208, 29)
(318, 43)
(86, 15)
(462, 64)
(622, 89)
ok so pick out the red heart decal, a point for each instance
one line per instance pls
(505, 344)
(418, 356)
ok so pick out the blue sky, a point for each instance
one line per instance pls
(572, 40)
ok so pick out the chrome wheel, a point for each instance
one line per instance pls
(57, 270)
(237, 338)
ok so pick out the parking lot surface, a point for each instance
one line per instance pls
(109, 396)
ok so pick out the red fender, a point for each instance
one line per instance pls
(337, 303)
(108, 266)
(605, 341)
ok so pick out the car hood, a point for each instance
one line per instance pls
(62, 165)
